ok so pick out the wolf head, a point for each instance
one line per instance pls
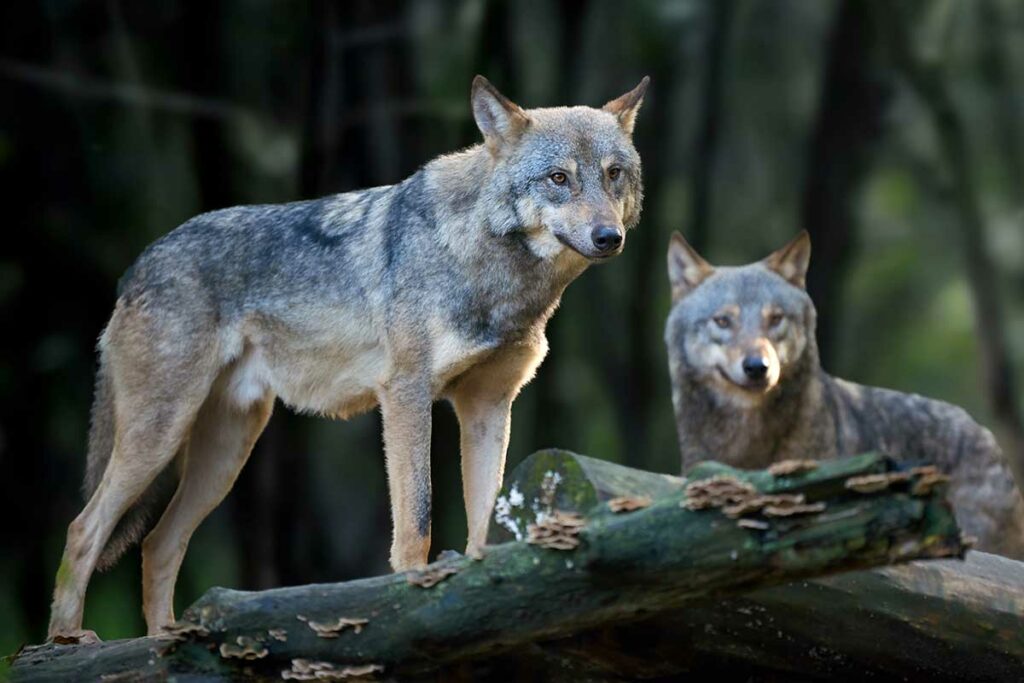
(739, 330)
(568, 178)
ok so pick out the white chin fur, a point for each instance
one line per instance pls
(734, 395)
(545, 245)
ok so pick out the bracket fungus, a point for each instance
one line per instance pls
(557, 531)
(872, 483)
(629, 503)
(431, 575)
(716, 492)
(184, 630)
(759, 503)
(244, 647)
(738, 499)
(785, 468)
(927, 481)
(310, 670)
(332, 629)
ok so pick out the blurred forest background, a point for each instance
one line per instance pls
(891, 130)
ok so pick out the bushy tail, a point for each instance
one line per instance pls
(141, 516)
(988, 503)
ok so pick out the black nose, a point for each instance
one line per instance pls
(606, 238)
(754, 367)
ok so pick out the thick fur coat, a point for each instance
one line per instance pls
(749, 390)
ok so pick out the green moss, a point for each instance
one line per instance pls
(525, 486)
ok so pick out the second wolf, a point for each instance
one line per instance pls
(748, 389)
(437, 287)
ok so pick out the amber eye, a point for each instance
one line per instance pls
(614, 172)
(722, 321)
(775, 319)
(558, 178)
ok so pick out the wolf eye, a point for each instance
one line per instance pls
(614, 172)
(722, 321)
(775, 319)
(558, 178)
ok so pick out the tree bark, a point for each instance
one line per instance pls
(945, 620)
(627, 564)
(711, 121)
(849, 122)
(941, 620)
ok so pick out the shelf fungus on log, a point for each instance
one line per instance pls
(629, 503)
(557, 530)
(935, 620)
(585, 566)
(307, 670)
(786, 468)
(431, 575)
(333, 627)
(244, 647)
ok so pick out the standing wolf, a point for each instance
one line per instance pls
(437, 287)
(748, 390)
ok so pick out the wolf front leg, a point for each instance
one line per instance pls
(405, 408)
(483, 403)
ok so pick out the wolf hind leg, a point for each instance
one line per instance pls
(218, 447)
(151, 424)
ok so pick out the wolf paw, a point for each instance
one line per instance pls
(448, 555)
(79, 637)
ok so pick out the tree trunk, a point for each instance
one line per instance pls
(849, 122)
(711, 120)
(618, 567)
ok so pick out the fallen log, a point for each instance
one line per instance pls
(655, 545)
(941, 620)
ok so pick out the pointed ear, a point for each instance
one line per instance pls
(625, 107)
(791, 261)
(686, 268)
(500, 119)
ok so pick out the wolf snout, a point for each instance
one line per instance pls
(755, 367)
(606, 238)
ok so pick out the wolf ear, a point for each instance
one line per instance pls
(686, 268)
(791, 261)
(624, 108)
(500, 119)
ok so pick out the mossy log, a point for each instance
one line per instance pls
(938, 620)
(579, 573)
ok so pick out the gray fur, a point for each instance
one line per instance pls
(141, 516)
(480, 242)
(808, 413)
